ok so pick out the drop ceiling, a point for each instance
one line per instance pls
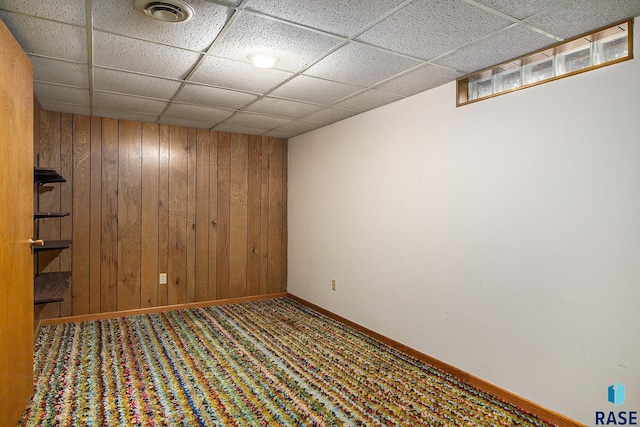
(337, 58)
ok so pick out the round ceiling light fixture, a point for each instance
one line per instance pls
(171, 11)
(263, 60)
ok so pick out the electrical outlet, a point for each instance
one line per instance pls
(163, 278)
(333, 285)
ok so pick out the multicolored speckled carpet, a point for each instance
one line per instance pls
(267, 363)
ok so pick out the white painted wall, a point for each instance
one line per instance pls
(502, 237)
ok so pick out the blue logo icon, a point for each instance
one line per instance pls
(616, 394)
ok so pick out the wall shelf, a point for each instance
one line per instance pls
(40, 215)
(50, 287)
(46, 175)
(52, 245)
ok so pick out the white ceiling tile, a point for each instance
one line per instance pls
(48, 38)
(131, 104)
(420, 79)
(135, 55)
(360, 65)
(519, 9)
(282, 107)
(124, 115)
(581, 16)
(134, 84)
(65, 108)
(497, 48)
(428, 28)
(281, 134)
(190, 123)
(224, 127)
(255, 120)
(139, 63)
(298, 127)
(329, 115)
(311, 89)
(367, 100)
(68, 11)
(197, 33)
(210, 116)
(334, 16)
(214, 97)
(232, 74)
(295, 46)
(63, 94)
(60, 72)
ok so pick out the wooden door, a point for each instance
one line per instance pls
(16, 224)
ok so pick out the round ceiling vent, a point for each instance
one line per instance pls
(172, 11)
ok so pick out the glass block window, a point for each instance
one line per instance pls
(584, 53)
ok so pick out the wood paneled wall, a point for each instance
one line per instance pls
(208, 208)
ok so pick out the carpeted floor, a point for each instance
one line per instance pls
(271, 362)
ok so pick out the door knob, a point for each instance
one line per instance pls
(38, 242)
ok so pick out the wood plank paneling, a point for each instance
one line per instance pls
(66, 204)
(163, 213)
(81, 239)
(150, 215)
(191, 214)
(177, 271)
(213, 216)
(276, 158)
(95, 232)
(208, 208)
(223, 243)
(254, 244)
(264, 216)
(201, 257)
(238, 216)
(129, 214)
(285, 228)
(109, 236)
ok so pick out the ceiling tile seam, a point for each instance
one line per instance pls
(208, 85)
(203, 57)
(89, 17)
(380, 18)
(442, 55)
(150, 98)
(548, 10)
(236, 126)
(303, 120)
(294, 75)
(53, 101)
(300, 71)
(300, 101)
(70, 61)
(294, 24)
(28, 15)
(61, 84)
(345, 39)
(402, 73)
(125, 36)
(275, 129)
(327, 53)
(360, 92)
(254, 113)
(330, 34)
(138, 73)
(512, 19)
(227, 109)
(176, 80)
